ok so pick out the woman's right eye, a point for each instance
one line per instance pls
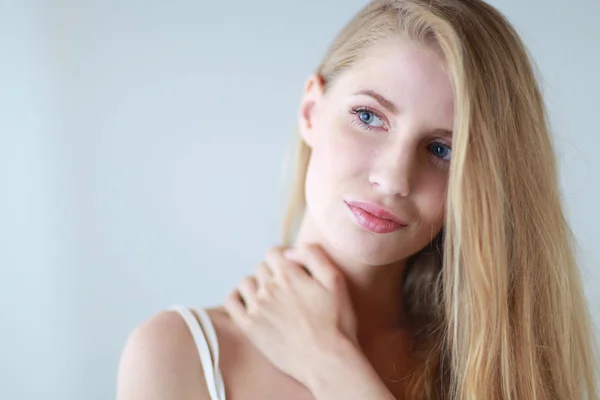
(367, 119)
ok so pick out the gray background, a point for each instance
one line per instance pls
(141, 154)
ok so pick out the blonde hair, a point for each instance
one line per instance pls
(497, 295)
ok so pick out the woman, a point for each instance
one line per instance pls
(432, 258)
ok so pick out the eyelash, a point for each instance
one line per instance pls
(355, 111)
(441, 162)
(356, 120)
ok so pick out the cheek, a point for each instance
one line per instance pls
(338, 166)
(431, 201)
(339, 153)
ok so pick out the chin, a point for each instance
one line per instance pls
(356, 244)
(347, 242)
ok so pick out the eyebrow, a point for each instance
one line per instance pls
(444, 132)
(391, 107)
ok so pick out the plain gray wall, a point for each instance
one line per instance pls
(141, 158)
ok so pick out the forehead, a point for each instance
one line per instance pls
(410, 74)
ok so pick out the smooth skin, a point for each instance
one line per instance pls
(314, 342)
(335, 328)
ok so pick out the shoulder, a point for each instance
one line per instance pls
(160, 360)
(247, 373)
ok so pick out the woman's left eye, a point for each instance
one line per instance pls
(368, 118)
(441, 150)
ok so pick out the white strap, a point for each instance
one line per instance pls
(211, 336)
(204, 335)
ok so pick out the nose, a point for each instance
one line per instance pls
(392, 170)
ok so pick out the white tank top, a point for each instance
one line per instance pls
(204, 335)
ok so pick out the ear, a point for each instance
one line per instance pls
(311, 99)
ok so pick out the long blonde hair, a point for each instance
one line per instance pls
(497, 295)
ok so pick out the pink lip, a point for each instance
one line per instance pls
(375, 218)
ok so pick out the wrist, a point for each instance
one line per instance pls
(336, 356)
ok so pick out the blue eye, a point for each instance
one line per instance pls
(369, 118)
(441, 150)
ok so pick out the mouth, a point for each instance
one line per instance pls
(375, 218)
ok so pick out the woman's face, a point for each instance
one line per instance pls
(381, 140)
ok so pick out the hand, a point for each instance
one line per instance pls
(295, 309)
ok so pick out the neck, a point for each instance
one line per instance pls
(375, 290)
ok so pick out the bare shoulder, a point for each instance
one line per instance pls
(246, 372)
(236, 351)
(227, 330)
(160, 361)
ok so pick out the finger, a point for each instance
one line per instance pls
(236, 309)
(263, 274)
(247, 289)
(283, 267)
(318, 263)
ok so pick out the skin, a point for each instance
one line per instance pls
(304, 333)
